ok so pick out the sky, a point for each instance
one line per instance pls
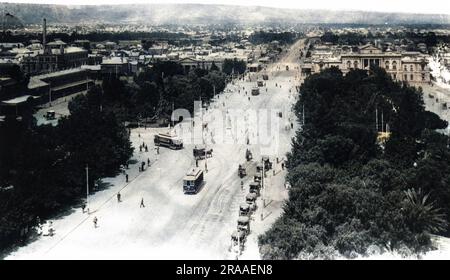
(406, 6)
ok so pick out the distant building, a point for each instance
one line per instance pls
(54, 56)
(411, 67)
(117, 66)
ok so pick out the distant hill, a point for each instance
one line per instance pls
(205, 14)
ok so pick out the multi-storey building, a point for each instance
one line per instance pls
(54, 56)
(411, 67)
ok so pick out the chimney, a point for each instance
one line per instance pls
(44, 32)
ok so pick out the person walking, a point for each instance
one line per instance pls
(126, 177)
(119, 197)
(142, 205)
(95, 221)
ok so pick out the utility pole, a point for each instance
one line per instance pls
(49, 94)
(239, 245)
(173, 126)
(263, 189)
(376, 119)
(87, 188)
(303, 107)
(382, 121)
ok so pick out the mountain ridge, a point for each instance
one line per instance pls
(206, 14)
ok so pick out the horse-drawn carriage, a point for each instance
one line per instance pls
(242, 172)
(248, 155)
(202, 152)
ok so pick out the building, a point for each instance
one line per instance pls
(59, 84)
(116, 66)
(54, 56)
(411, 67)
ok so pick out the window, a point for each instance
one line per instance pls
(411, 68)
(394, 65)
(355, 64)
(406, 77)
(349, 64)
(423, 76)
(394, 76)
(412, 77)
(387, 65)
(405, 68)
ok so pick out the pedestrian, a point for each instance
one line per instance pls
(282, 165)
(292, 125)
(142, 203)
(83, 207)
(146, 148)
(140, 148)
(126, 177)
(196, 162)
(148, 162)
(95, 222)
(139, 135)
(118, 197)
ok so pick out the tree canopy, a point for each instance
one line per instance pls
(350, 191)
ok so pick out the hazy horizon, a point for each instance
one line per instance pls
(385, 6)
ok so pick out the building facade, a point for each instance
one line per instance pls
(411, 67)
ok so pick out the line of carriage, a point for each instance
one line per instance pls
(246, 209)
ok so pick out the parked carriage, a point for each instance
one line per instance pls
(244, 209)
(238, 238)
(250, 199)
(243, 224)
(255, 187)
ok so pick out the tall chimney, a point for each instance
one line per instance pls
(44, 33)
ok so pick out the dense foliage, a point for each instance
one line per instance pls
(234, 66)
(42, 168)
(153, 93)
(352, 193)
(263, 37)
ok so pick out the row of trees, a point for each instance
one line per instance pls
(153, 93)
(42, 168)
(262, 37)
(352, 194)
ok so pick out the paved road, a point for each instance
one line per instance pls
(173, 225)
